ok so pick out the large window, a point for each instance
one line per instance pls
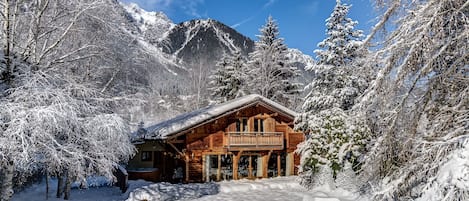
(218, 167)
(249, 166)
(242, 125)
(275, 160)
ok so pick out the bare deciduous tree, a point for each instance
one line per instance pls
(53, 116)
(418, 105)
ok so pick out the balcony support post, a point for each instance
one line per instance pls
(265, 164)
(279, 165)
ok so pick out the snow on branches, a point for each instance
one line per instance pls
(335, 138)
(420, 101)
(229, 78)
(343, 41)
(53, 118)
(49, 127)
(270, 72)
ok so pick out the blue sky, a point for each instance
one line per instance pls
(301, 22)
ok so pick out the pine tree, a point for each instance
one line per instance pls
(237, 72)
(341, 46)
(228, 79)
(269, 69)
(335, 138)
(217, 80)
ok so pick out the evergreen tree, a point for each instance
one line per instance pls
(237, 72)
(343, 41)
(334, 137)
(269, 69)
(227, 80)
(217, 80)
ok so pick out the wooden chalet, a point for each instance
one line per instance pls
(249, 137)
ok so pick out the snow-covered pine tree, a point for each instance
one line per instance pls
(270, 72)
(420, 104)
(228, 79)
(343, 40)
(237, 72)
(334, 136)
(217, 81)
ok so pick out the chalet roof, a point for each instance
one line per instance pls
(178, 124)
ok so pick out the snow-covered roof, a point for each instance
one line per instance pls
(185, 121)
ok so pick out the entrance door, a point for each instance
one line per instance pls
(211, 167)
(159, 162)
(167, 165)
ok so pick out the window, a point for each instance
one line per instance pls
(218, 167)
(258, 125)
(242, 125)
(146, 156)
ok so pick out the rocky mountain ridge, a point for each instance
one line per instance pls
(183, 56)
(195, 42)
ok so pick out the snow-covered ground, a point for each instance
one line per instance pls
(276, 189)
(37, 192)
(282, 188)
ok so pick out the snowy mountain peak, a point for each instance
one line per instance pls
(201, 22)
(204, 39)
(151, 24)
(299, 56)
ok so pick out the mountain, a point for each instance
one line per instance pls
(203, 42)
(175, 60)
(301, 61)
(152, 25)
(189, 44)
(195, 42)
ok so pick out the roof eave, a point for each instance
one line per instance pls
(187, 129)
(284, 111)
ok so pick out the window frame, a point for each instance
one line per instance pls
(242, 125)
(259, 125)
(146, 156)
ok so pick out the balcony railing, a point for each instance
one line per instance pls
(254, 140)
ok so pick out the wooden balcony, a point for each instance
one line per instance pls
(254, 140)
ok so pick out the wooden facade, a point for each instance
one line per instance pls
(254, 141)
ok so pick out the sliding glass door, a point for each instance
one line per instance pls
(250, 166)
(218, 167)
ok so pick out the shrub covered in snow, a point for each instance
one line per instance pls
(166, 191)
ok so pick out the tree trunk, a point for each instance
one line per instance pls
(60, 184)
(7, 43)
(47, 184)
(6, 181)
(68, 185)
